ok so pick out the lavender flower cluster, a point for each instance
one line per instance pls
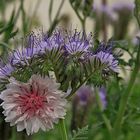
(38, 102)
(70, 43)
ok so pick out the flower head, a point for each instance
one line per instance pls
(5, 71)
(77, 42)
(108, 59)
(24, 54)
(102, 94)
(103, 9)
(56, 40)
(33, 105)
(84, 94)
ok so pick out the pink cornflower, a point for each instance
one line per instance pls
(33, 105)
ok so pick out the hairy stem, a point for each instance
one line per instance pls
(73, 91)
(125, 96)
(50, 11)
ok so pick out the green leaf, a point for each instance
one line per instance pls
(8, 29)
(13, 34)
(5, 28)
(80, 134)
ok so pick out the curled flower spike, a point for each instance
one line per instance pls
(22, 56)
(77, 43)
(35, 47)
(108, 59)
(35, 105)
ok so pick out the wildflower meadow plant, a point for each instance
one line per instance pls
(31, 98)
(67, 78)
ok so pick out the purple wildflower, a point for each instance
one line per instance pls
(104, 9)
(36, 47)
(23, 55)
(84, 94)
(105, 55)
(56, 40)
(108, 59)
(135, 40)
(105, 47)
(5, 71)
(77, 43)
(102, 94)
(122, 5)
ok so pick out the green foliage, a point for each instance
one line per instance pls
(22, 74)
(72, 72)
(80, 134)
(137, 11)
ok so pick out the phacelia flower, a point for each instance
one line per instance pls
(77, 42)
(56, 40)
(84, 94)
(5, 71)
(102, 94)
(108, 59)
(24, 54)
(105, 10)
(35, 46)
(122, 5)
(34, 105)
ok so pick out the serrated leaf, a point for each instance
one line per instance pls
(80, 134)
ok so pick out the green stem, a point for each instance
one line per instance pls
(34, 13)
(57, 18)
(76, 12)
(136, 12)
(82, 20)
(13, 134)
(104, 25)
(62, 129)
(125, 96)
(50, 11)
(100, 105)
(74, 90)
